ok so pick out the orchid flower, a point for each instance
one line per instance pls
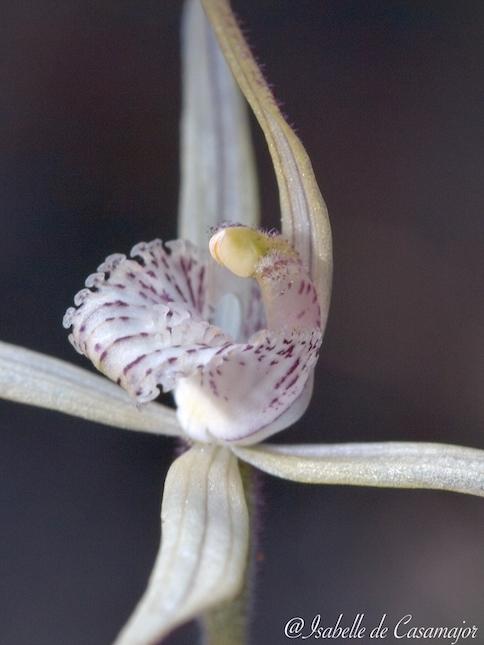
(233, 326)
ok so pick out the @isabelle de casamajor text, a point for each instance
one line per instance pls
(404, 628)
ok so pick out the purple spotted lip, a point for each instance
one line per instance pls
(148, 321)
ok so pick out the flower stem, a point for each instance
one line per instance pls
(227, 624)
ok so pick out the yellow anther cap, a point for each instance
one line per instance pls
(240, 249)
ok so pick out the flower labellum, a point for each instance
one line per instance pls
(150, 321)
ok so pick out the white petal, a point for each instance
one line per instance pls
(218, 178)
(392, 464)
(304, 215)
(35, 379)
(245, 391)
(204, 545)
(142, 324)
(218, 181)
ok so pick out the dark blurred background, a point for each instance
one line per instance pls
(387, 96)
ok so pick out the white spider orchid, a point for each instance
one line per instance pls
(172, 317)
(146, 323)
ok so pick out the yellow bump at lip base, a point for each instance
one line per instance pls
(239, 249)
